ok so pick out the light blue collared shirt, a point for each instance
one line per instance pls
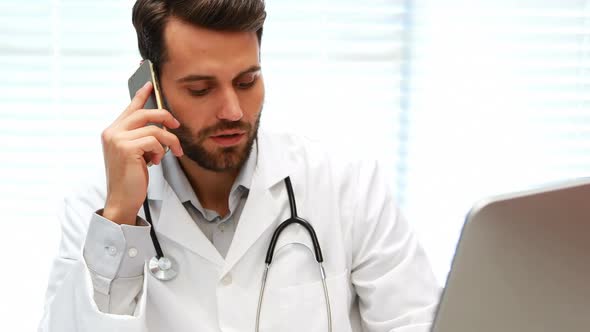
(218, 229)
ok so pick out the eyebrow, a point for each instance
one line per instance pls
(193, 77)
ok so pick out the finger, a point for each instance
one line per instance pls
(138, 101)
(149, 148)
(141, 118)
(165, 138)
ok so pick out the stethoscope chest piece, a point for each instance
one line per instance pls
(162, 268)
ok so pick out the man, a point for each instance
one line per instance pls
(215, 200)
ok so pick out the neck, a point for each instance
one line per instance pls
(212, 188)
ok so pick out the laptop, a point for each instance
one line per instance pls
(522, 264)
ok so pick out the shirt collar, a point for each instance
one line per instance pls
(176, 178)
(244, 178)
(277, 156)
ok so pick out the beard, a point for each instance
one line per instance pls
(223, 159)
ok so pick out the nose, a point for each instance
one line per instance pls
(230, 109)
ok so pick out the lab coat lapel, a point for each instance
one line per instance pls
(260, 212)
(175, 223)
(263, 208)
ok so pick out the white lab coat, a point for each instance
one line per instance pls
(378, 276)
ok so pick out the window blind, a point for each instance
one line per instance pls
(332, 71)
(498, 101)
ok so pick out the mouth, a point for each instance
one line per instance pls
(228, 137)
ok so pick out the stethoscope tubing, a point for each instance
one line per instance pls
(157, 261)
(148, 217)
(295, 219)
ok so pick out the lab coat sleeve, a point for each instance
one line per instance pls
(69, 302)
(396, 288)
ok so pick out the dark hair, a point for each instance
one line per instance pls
(150, 16)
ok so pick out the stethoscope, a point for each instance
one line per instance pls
(164, 268)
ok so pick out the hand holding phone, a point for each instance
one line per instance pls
(129, 144)
(146, 73)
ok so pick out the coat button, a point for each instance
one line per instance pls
(132, 252)
(227, 280)
(111, 250)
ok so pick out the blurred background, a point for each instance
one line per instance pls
(460, 99)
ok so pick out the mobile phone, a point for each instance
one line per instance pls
(146, 73)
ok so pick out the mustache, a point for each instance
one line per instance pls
(223, 125)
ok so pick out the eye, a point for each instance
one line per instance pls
(200, 92)
(247, 81)
(245, 85)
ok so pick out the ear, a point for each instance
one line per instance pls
(141, 62)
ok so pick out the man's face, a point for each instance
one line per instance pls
(212, 84)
